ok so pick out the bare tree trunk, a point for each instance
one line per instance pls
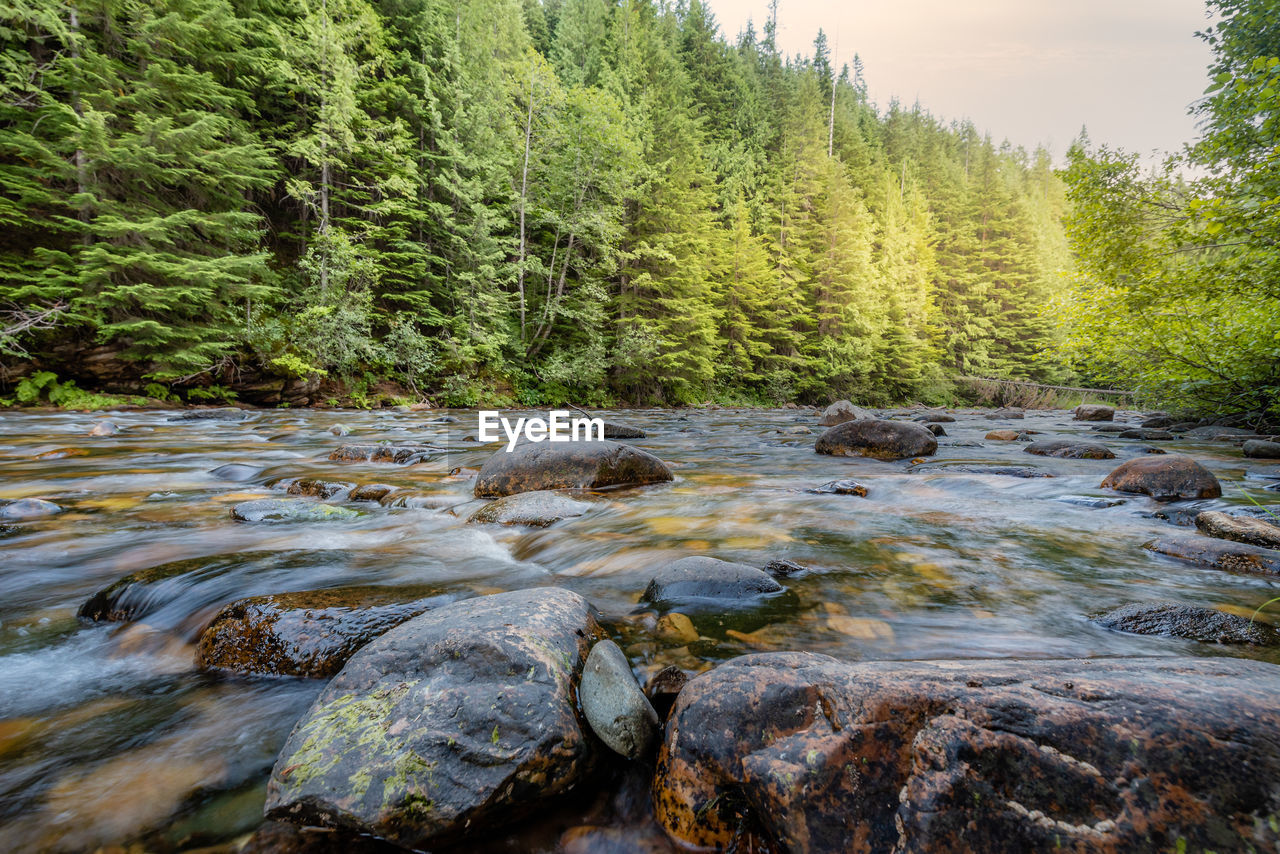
(524, 190)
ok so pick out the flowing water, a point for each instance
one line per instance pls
(108, 733)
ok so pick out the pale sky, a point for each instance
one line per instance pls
(1031, 71)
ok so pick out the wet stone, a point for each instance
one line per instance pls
(1147, 435)
(223, 414)
(1007, 436)
(936, 429)
(882, 440)
(25, 509)
(1185, 621)
(534, 466)
(978, 468)
(1172, 477)
(104, 428)
(1241, 529)
(398, 454)
(1096, 502)
(1261, 450)
(934, 418)
(537, 509)
(314, 488)
(236, 472)
(1219, 554)
(371, 492)
(783, 568)
(663, 688)
(842, 411)
(706, 581)
(1157, 422)
(310, 634)
(275, 510)
(998, 414)
(840, 487)
(613, 430)
(816, 755)
(461, 718)
(1110, 428)
(1215, 433)
(798, 430)
(1067, 450)
(1094, 412)
(616, 708)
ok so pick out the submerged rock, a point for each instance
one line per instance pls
(618, 711)
(936, 429)
(221, 414)
(1241, 529)
(462, 718)
(534, 466)
(1007, 436)
(28, 508)
(1006, 413)
(1068, 450)
(1094, 412)
(1095, 502)
(981, 468)
(840, 487)
(315, 488)
(1146, 435)
(1219, 554)
(309, 634)
(404, 455)
(842, 411)
(537, 509)
(271, 510)
(104, 428)
(614, 430)
(1157, 422)
(1261, 450)
(816, 755)
(1185, 621)
(700, 579)
(663, 688)
(934, 418)
(1171, 477)
(1217, 433)
(372, 491)
(236, 472)
(881, 440)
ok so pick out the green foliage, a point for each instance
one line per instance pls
(494, 201)
(44, 388)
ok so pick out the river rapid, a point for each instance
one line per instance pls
(110, 735)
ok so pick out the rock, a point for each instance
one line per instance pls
(340, 430)
(1219, 554)
(314, 488)
(372, 492)
(1172, 477)
(677, 628)
(1094, 412)
(463, 717)
(411, 500)
(236, 472)
(1255, 532)
(537, 509)
(104, 428)
(783, 568)
(1109, 428)
(62, 454)
(816, 755)
(1006, 413)
(936, 429)
(221, 414)
(881, 440)
(613, 430)
(210, 582)
(663, 688)
(701, 581)
(310, 634)
(28, 508)
(798, 430)
(1069, 450)
(979, 468)
(283, 510)
(1216, 433)
(1157, 422)
(1006, 436)
(1261, 450)
(1095, 502)
(567, 465)
(1147, 435)
(842, 411)
(934, 418)
(277, 837)
(405, 455)
(840, 487)
(1184, 621)
(614, 705)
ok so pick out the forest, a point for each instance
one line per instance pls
(595, 201)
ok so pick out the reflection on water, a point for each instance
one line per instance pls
(107, 732)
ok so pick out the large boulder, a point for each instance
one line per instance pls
(537, 509)
(881, 440)
(1241, 529)
(816, 755)
(462, 718)
(1218, 554)
(1094, 412)
(1187, 621)
(1260, 449)
(311, 633)
(1069, 450)
(842, 411)
(1170, 477)
(693, 581)
(567, 465)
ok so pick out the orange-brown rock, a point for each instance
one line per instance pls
(1219, 554)
(881, 440)
(810, 754)
(1170, 477)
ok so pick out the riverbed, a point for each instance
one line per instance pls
(110, 735)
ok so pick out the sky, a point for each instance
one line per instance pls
(1030, 71)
